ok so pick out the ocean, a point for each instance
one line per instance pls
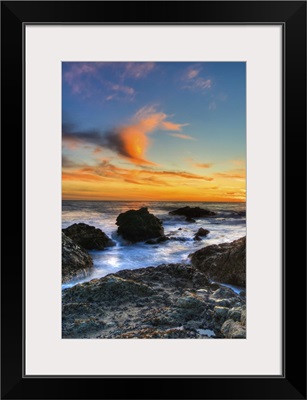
(229, 224)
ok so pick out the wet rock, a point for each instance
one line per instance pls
(191, 220)
(160, 239)
(173, 276)
(108, 289)
(235, 313)
(243, 316)
(192, 325)
(139, 225)
(202, 232)
(88, 237)
(225, 262)
(178, 239)
(192, 212)
(233, 330)
(221, 312)
(223, 293)
(76, 262)
(190, 301)
(214, 286)
(197, 238)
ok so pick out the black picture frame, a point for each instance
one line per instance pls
(292, 16)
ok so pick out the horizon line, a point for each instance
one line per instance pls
(160, 201)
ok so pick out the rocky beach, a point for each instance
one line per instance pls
(192, 299)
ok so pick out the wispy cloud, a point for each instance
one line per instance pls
(87, 79)
(137, 70)
(131, 140)
(231, 175)
(212, 106)
(194, 81)
(203, 165)
(217, 99)
(152, 177)
(74, 76)
(182, 136)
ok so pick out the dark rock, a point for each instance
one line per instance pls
(214, 286)
(197, 238)
(111, 288)
(178, 239)
(76, 262)
(139, 225)
(89, 237)
(189, 219)
(169, 275)
(193, 212)
(223, 293)
(161, 239)
(202, 232)
(235, 313)
(225, 262)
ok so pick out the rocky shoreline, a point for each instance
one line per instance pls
(167, 301)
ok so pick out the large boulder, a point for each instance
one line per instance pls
(192, 212)
(89, 237)
(76, 262)
(224, 262)
(139, 225)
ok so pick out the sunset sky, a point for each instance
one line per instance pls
(154, 131)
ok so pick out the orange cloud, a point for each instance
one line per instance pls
(171, 126)
(186, 175)
(80, 176)
(230, 175)
(108, 171)
(132, 140)
(200, 165)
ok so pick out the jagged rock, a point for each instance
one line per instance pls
(202, 232)
(225, 262)
(235, 313)
(76, 262)
(197, 238)
(233, 330)
(139, 225)
(111, 288)
(88, 237)
(160, 239)
(193, 212)
(221, 312)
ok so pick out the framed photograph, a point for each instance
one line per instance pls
(162, 159)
